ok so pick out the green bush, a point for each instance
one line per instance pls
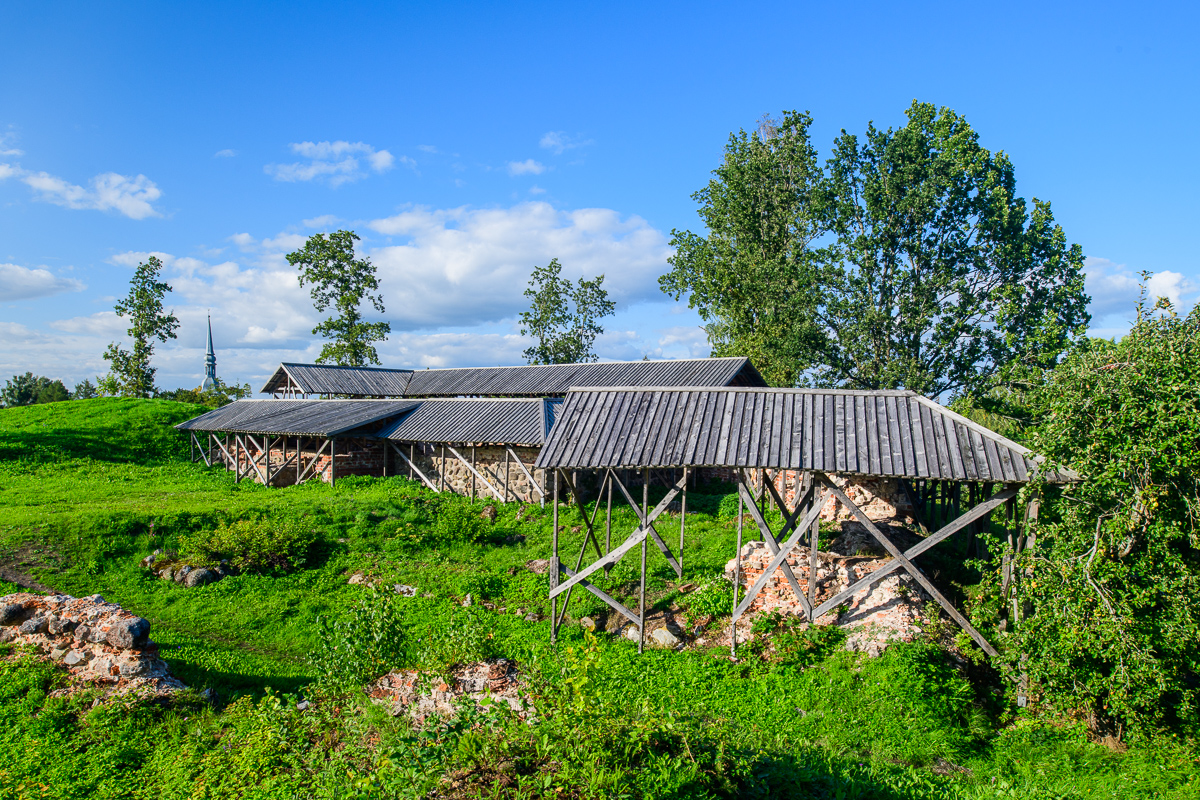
(712, 598)
(253, 545)
(366, 644)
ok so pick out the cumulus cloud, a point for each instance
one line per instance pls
(337, 162)
(225, 153)
(526, 167)
(22, 283)
(558, 142)
(134, 197)
(1115, 288)
(323, 221)
(131, 258)
(465, 266)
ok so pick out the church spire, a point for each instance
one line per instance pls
(210, 363)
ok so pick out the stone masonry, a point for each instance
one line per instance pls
(99, 643)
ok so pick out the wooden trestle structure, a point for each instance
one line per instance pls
(758, 433)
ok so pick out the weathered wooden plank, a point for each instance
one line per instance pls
(613, 557)
(993, 458)
(784, 551)
(728, 410)
(818, 432)
(860, 434)
(807, 447)
(895, 443)
(918, 438)
(885, 436)
(839, 435)
(968, 452)
(908, 451)
(958, 467)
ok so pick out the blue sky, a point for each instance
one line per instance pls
(467, 142)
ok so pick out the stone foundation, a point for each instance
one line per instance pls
(99, 643)
(880, 499)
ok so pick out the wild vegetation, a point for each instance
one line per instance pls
(89, 487)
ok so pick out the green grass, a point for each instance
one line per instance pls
(90, 487)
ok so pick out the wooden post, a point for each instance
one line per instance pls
(642, 590)
(442, 470)
(737, 581)
(554, 566)
(472, 472)
(608, 522)
(299, 458)
(332, 463)
(682, 513)
(412, 455)
(506, 475)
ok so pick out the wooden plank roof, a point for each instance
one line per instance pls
(880, 433)
(480, 421)
(331, 379)
(297, 417)
(541, 380)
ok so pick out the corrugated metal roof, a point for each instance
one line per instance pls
(556, 379)
(883, 433)
(491, 421)
(330, 379)
(297, 417)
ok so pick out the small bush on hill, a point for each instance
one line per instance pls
(257, 545)
(365, 645)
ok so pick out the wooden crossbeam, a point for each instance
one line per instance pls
(647, 520)
(613, 557)
(413, 466)
(312, 464)
(528, 475)
(221, 445)
(779, 558)
(590, 536)
(477, 474)
(908, 566)
(953, 527)
(765, 529)
(600, 593)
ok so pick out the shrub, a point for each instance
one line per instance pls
(712, 598)
(365, 645)
(253, 545)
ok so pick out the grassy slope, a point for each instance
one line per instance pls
(89, 487)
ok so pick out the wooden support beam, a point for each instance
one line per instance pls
(765, 530)
(908, 565)
(613, 604)
(647, 521)
(412, 468)
(312, 464)
(541, 492)
(475, 472)
(784, 550)
(589, 536)
(635, 538)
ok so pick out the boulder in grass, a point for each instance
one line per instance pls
(664, 638)
(200, 577)
(129, 633)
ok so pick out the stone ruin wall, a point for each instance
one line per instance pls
(489, 461)
(881, 499)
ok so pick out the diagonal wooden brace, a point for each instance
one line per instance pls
(413, 467)
(648, 520)
(613, 557)
(312, 464)
(981, 510)
(588, 522)
(600, 593)
(477, 474)
(908, 566)
(528, 475)
(779, 558)
(765, 529)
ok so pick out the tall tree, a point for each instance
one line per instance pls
(563, 317)
(751, 278)
(130, 372)
(341, 280)
(910, 261)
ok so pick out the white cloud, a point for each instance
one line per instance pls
(1170, 285)
(1115, 288)
(132, 258)
(104, 324)
(337, 161)
(109, 191)
(466, 266)
(22, 283)
(427, 148)
(6, 148)
(323, 221)
(535, 189)
(558, 142)
(526, 167)
(225, 153)
(244, 241)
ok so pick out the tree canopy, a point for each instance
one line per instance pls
(563, 317)
(130, 372)
(906, 261)
(30, 389)
(343, 281)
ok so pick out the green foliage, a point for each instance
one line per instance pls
(219, 394)
(907, 261)
(130, 372)
(361, 647)
(28, 389)
(562, 317)
(711, 598)
(1115, 614)
(253, 545)
(84, 390)
(340, 280)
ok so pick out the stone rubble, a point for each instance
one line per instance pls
(99, 643)
(165, 565)
(408, 692)
(890, 610)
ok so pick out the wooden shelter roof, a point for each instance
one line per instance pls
(879, 433)
(297, 417)
(539, 380)
(481, 421)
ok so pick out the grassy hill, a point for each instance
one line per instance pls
(89, 487)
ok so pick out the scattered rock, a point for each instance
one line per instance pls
(533, 616)
(588, 624)
(199, 577)
(404, 590)
(357, 579)
(182, 573)
(129, 633)
(148, 561)
(687, 587)
(632, 633)
(74, 658)
(56, 626)
(35, 625)
(303, 705)
(664, 638)
(7, 634)
(496, 680)
(489, 512)
(58, 653)
(11, 613)
(468, 602)
(166, 574)
(539, 565)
